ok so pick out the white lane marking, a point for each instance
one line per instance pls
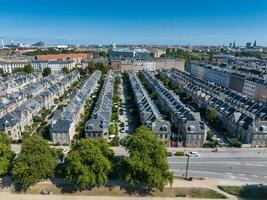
(228, 173)
(244, 178)
(254, 175)
(241, 174)
(265, 176)
(232, 177)
(178, 170)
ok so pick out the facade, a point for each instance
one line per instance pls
(209, 73)
(62, 128)
(237, 82)
(55, 66)
(149, 65)
(8, 67)
(148, 112)
(191, 131)
(124, 53)
(98, 125)
(256, 89)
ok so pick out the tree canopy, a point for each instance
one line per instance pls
(211, 114)
(47, 71)
(65, 70)
(6, 155)
(88, 163)
(35, 162)
(28, 69)
(92, 66)
(147, 163)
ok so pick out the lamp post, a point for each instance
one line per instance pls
(187, 166)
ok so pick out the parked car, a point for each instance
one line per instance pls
(170, 154)
(192, 154)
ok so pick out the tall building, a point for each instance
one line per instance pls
(255, 44)
(234, 45)
(2, 43)
(248, 45)
(113, 46)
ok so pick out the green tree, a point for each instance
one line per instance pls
(112, 130)
(6, 155)
(88, 163)
(2, 72)
(91, 67)
(47, 71)
(147, 163)
(211, 115)
(35, 162)
(65, 70)
(28, 69)
(210, 135)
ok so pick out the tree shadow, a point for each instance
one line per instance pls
(6, 182)
(255, 191)
(128, 189)
(64, 185)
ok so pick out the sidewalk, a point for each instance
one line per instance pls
(178, 183)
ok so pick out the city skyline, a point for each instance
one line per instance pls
(149, 22)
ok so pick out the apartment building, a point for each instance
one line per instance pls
(62, 128)
(148, 112)
(55, 66)
(98, 125)
(8, 67)
(149, 65)
(191, 131)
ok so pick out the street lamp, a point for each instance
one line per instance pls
(187, 166)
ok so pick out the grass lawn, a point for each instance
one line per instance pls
(126, 190)
(233, 190)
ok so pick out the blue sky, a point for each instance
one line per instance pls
(135, 21)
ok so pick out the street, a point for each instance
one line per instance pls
(249, 166)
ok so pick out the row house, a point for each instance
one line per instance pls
(62, 128)
(98, 125)
(14, 100)
(148, 112)
(232, 98)
(241, 117)
(252, 86)
(16, 82)
(14, 123)
(191, 130)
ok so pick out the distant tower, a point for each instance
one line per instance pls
(12, 41)
(2, 42)
(234, 45)
(230, 45)
(255, 44)
(113, 46)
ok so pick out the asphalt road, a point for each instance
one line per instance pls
(247, 166)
